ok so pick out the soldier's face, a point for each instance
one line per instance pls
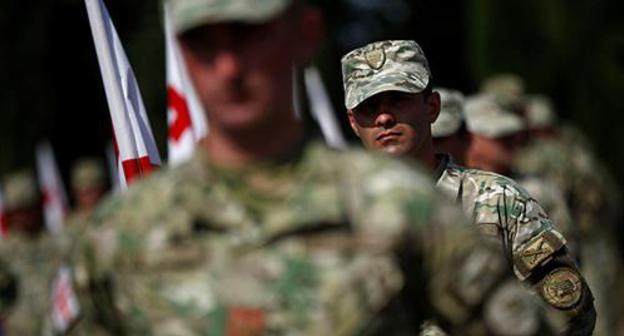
(243, 73)
(88, 197)
(396, 123)
(491, 154)
(28, 220)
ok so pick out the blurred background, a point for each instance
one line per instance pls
(50, 85)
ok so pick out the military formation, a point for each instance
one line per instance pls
(462, 215)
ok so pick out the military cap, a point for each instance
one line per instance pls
(451, 114)
(505, 86)
(398, 65)
(20, 190)
(540, 112)
(87, 173)
(189, 14)
(488, 116)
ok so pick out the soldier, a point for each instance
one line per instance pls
(264, 230)
(391, 106)
(449, 130)
(29, 255)
(88, 185)
(561, 155)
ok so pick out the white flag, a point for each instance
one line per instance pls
(185, 115)
(322, 110)
(65, 306)
(113, 167)
(54, 197)
(136, 148)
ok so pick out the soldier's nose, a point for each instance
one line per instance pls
(385, 120)
(228, 64)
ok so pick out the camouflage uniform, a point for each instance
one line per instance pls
(505, 212)
(451, 115)
(87, 175)
(497, 205)
(314, 243)
(322, 243)
(30, 259)
(568, 163)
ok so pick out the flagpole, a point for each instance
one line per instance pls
(110, 76)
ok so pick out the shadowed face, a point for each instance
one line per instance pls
(394, 122)
(492, 154)
(243, 72)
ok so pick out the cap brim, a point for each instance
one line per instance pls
(359, 95)
(252, 14)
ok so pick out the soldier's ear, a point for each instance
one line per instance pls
(433, 103)
(353, 123)
(311, 30)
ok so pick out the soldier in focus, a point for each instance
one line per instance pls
(391, 106)
(265, 231)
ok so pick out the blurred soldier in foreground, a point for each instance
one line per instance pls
(449, 130)
(265, 231)
(27, 254)
(391, 108)
(88, 183)
(561, 155)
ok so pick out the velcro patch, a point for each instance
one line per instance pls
(536, 251)
(562, 288)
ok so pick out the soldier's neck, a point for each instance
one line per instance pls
(253, 146)
(426, 156)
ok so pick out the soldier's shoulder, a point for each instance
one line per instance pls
(492, 183)
(369, 168)
(143, 199)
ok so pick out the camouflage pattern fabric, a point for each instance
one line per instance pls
(451, 114)
(488, 116)
(595, 206)
(507, 214)
(398, 65)
(321, 243)
(188, 14)
(33, 262)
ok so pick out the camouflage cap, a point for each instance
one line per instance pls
(188, 14)
(451, 114)
(505, 86)
(87, 173)
(487, 116)
(20, 190)
(398, 65)
(540, 112)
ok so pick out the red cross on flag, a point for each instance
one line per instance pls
(185, 115)
(137, 150)
(52, 189)
(65, 307)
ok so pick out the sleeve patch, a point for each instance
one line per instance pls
(562, 288)
(536, 251)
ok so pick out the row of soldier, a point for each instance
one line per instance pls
(267, 231)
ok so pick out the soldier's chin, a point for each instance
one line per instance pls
(241, 116)
(394, 149)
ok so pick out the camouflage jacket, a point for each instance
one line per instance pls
(33, 262)
(506, 213)
(322, 243)
(595, 203)
(569, 163)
